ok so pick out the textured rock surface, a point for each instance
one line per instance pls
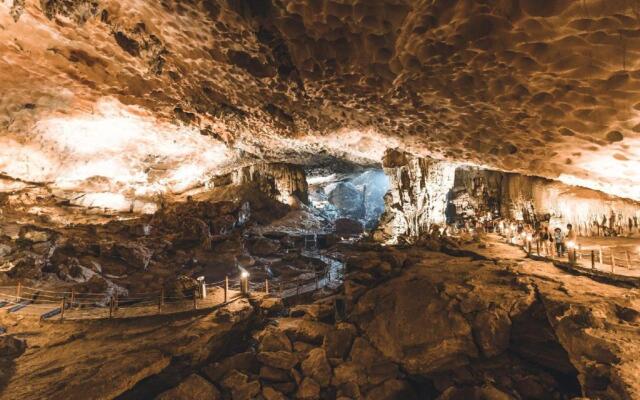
(104, 359)
(543, 87)
(458, 322)
(417, 197)
(425, 193)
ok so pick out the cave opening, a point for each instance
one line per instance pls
(353, 201)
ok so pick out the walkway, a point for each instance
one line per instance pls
(625, 270)
(68, 305)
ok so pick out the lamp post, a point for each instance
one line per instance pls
(244, 283)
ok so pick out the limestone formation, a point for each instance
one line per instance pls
(546, 88)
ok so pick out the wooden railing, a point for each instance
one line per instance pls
(69, 304)
(613, 259)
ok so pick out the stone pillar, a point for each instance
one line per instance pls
(417, 197)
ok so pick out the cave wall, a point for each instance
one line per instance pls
(533, 198)
(478, 192)
(424, 191)
(286, 183)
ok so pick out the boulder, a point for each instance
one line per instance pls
(240, 362)
(305, 330)
(246, 391)
(11, 347)
(348, 226)
(308, 390)
(234, 379)
(337, 342)
(271, 305)
(194, 387)
(134, 254)
(349, 372)
(271, 374)
(5, 250)
(492, 332)
(314, 311)
(278, 359)
(413, 325)
(270, 393)
(378, 367)
(275, 340)
(264, 247)
(317, 366)
(392, 389)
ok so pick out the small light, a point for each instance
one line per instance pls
(244, 274)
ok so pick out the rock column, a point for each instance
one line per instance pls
(417, 197)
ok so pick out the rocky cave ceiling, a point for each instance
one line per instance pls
(156, 95)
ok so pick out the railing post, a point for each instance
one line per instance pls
(266, 286)
(161, 299)
(600, 256)
(62, 301)
(315, 275)
(613, 262)
(298, 286)
(116, 303)
(195, 300)
(538, 247)
(628, 259)
(73, 296)
(111, 307)
(226, 289)
(18, 291)
(593, 259)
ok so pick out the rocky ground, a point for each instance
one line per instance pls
(440, 319)
(418, 323)
(206, 236)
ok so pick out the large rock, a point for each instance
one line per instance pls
(278, 359)
(246, 391)
(308, 390)
(240, 362)
(348, 200)
(264, 247)
(390, 390)
(275, 340)
(271, 374)
(194, 387)
(11, 346)
(348, 226)
(337, 343)
(270, 393)
(349, 371)
(426, 321)
(317, 366)
(305, 330)
(134, 254)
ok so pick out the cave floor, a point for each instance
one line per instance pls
(598, 323)
(625, 249)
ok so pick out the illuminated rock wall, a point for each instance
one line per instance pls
(284, 182)
(417, 197)
(532, 198)
(425, 191)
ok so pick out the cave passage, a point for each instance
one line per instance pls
(353, 201)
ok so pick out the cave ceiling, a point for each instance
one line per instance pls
(155, 95)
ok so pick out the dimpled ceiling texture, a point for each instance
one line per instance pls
(147, 93)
